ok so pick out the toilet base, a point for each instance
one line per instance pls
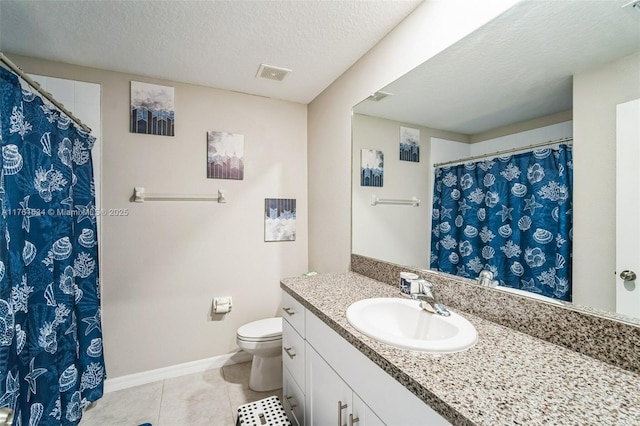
(266, 373)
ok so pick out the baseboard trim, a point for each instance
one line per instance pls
(137, 379)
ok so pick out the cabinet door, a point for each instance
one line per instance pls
(328, 397)
(293, 399)
(362, 415)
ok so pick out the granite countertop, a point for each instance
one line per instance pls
(507, 378)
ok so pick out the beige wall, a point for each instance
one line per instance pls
(596, 92)
(164, 262)
(432, 27)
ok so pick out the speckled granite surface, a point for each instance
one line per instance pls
(606, 337)
(507, 378)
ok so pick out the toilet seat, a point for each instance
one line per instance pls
(264, 330)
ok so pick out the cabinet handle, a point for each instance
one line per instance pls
(288, 311)
(340, 408)
(352, 420)
(288, 351)
(287, 400)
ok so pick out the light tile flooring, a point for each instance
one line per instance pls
(209, 398)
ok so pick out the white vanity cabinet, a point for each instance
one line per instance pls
(293, 359)
(388, 401)
(330, 401)
(335, 372)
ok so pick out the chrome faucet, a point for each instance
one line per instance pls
(485, 279)
(423, 290)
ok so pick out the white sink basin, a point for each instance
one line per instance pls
(402, 323)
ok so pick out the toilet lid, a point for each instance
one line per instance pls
(261, 330)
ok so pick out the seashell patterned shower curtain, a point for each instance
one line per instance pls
(51, 360)
(511, 215)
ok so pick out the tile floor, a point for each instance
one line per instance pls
(209, 398)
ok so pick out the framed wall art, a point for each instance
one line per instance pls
(279, 219)
(372, 167)
(225, 155)
(409, 144)
(152, 109)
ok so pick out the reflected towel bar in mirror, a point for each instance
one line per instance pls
(413, 201)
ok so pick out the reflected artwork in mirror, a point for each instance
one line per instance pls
(541, 73)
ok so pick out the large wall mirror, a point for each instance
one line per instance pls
(542, 71)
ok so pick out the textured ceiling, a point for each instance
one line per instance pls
(515, 68)
(212, 43)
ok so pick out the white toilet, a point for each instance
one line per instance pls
(263, 339)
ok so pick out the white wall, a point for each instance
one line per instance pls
(443, 150)
(523, 139)
(395, 233)
(596, 92)
(432, 27)
(164, 262)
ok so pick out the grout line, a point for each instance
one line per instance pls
(160, 405)
(226, 386)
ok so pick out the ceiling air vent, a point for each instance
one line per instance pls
(378, 96)
(269, 72)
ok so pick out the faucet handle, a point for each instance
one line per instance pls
(427, 283)
(485, 278)
(414, 288)
(425, 286)
(417, 285)
(420, 287)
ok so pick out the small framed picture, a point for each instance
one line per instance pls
(225, 155)
(409, 144)
(279, 219)
(152, 109)
(372, 167)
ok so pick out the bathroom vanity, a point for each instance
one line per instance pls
(326, 380)
(333, 374)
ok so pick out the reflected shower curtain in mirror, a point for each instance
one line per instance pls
(51, 360)
(511, 215)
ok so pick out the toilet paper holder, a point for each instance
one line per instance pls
(222, 305)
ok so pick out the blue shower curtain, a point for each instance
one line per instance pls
(511, 215)
(51, 360)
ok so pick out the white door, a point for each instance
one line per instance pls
(627, 208)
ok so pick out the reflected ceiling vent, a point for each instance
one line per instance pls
(269, 72)
(378, 96)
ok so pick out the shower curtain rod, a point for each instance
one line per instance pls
(17, 70)
(506, 151)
